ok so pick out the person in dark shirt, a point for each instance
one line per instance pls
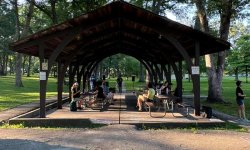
(240, 100)
(119, 81)
(99, 94)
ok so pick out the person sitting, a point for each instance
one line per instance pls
(110, 97)
(75, 95)
(146, 97)
(166, 88)
(99, 95)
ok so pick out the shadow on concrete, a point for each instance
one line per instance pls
(29, 145)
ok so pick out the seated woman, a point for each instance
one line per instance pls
(75, 95)
(100, 95)
(146, 97)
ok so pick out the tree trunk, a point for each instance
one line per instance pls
(29, 64)
(148, 77)
(3, 64)
(1, 68)
(23, 65)
(19, 82)
(141, 77)
(50, 12)
(215, 74)
(18, 67)
(53, 11)
(156, 6)
(226, 14)
(6, 64)
(11, 66)
(25, 32)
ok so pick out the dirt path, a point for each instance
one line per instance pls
(122, 137)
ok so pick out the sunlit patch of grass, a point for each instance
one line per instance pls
(233, 126)
(195, 128)
(16, 126)
(20, 126)
(11, 96)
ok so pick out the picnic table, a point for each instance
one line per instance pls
(161, 101)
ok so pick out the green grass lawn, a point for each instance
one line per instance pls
(228, 92)
(11, 96)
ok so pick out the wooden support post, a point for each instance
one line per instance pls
(196, 80)
(71, 79)
(60, 78)
(180, 80)
(169, 73)
(43, 81)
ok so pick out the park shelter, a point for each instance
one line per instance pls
(118, 27)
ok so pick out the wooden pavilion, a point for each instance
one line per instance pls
(118, 27)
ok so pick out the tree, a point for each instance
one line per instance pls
(227, 9)
(26, 27)
(239, 59)
(237, 29)
(7, 31)
(18, 82)
(119, 64)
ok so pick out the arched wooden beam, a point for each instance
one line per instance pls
(178, 75)
(56, 52)
(60, 48)
(196, 81)
(60, 77)
(158, 73)
(89, 70)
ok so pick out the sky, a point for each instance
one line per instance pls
(170, 15)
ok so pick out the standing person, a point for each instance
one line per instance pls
(75, 97)
(119, 83)
(240, 100)
(149, 97)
